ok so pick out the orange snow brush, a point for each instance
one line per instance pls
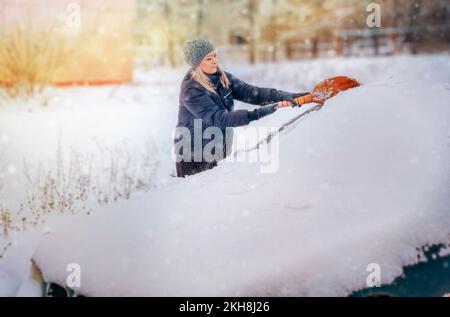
(323, 91)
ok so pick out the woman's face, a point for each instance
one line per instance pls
(210, 63)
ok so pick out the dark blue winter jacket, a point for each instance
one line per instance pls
(217, 110)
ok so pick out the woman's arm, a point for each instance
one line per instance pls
(260, 96)
(251, 94)
(203, 107)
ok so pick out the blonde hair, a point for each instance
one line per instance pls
(199, 76)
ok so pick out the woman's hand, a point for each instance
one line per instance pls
(262, 111)
(288, 99)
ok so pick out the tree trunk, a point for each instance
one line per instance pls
(414, 35)
(200, 17)
(376, 45)
(252, 45)
(315, 48)
(170, 45)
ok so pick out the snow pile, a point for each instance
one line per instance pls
(363, 180)
(8, 284)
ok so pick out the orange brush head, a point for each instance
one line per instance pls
(325, 90)
(331, 87)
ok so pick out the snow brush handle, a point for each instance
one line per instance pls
(309, 98)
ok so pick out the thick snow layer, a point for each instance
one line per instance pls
(30, 288)
(8, 284)
(363, 180)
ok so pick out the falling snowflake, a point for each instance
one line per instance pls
(11, 169)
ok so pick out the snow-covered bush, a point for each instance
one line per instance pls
(77, 182)
(30, 60)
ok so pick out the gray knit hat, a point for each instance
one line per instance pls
(196, 50)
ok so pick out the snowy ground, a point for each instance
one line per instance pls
(363, 180)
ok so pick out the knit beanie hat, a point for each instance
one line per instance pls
(196, 50)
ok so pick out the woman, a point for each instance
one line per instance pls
(207, 101)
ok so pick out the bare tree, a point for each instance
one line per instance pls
(200, 17)
(252, 6)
